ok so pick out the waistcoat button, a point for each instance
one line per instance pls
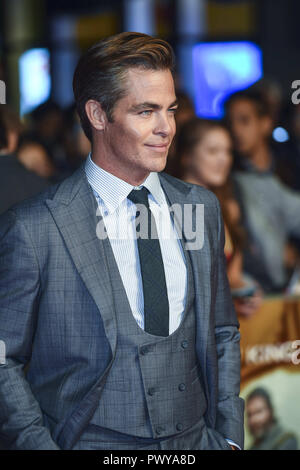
(181, 387)
(179, 426)
(184, 344)
(159, 430)
(151, 391)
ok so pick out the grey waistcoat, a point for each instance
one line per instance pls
(153, 389)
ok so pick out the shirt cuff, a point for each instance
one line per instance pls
(230, 442)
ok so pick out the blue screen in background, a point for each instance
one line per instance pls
(35, 80)
(220, 69)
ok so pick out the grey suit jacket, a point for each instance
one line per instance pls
(58, 322)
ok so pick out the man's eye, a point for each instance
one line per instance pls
(146, 112)
(173, 110)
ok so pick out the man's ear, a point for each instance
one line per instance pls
(95, 113)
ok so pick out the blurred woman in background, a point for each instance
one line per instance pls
(204, 157)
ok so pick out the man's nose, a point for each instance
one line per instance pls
(235, 129)
(165, 125)
(232, 126)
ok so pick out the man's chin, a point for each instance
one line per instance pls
(243, 151)
(158, 165)
(259, 433)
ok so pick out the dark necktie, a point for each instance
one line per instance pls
(156, 304)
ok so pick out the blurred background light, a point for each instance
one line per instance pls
(280, 135)
(220, 69)
(139, 16)
(34, 76)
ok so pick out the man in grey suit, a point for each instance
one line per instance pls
(129, 342)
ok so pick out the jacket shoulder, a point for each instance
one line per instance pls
(196, 191)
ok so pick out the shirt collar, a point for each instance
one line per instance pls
(113, 190)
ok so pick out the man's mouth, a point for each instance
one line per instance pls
(158, 147)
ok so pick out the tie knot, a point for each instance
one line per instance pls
(139, 196)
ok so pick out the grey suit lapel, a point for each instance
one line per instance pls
(73, 209)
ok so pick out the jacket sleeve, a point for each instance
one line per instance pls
(230, 407)
(21, 418)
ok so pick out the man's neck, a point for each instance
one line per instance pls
(267, 431)
(129, 177)
(261, 158)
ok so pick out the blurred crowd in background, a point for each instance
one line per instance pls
(257, 182)
(256, 179)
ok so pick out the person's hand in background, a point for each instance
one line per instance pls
(248, 298)
(247, 306)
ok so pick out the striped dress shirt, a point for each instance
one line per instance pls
(118, 214)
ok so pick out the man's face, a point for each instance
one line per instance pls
(138, 139)
(259, 416)
(248, 128)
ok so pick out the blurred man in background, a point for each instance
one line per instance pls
(16, 182)
(270, 210)
(47, 127)
(268, 434)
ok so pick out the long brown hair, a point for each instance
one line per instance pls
(191, 135)
(225, 193)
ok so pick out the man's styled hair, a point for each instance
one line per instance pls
(101, 72)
